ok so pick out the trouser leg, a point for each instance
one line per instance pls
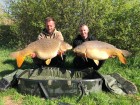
(58, 61)
(38, 62)
(80, 63)
(91, 63)
(83, 63)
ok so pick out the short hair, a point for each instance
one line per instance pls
(49, 19)
(83, 25)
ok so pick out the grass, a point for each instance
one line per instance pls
(130, 71)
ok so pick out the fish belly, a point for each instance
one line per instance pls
(97, 54)
(45, 56)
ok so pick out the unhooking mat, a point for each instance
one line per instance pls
(51, 82)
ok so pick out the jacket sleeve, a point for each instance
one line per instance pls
(76, 42)
(59, 36)
(92, 38)
(41, 36)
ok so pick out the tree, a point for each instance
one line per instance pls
(113, 21)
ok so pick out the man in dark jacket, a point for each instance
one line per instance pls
(81, 62)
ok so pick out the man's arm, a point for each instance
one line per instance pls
(91, 37)
(76, 42)
(41, 36)
(59, 36)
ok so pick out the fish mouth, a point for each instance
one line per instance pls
(74, 50)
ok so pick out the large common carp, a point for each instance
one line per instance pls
(98, 50)
(45, 49)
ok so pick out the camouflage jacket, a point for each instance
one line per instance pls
(55, 35)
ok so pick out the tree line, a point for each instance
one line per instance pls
(113, 21)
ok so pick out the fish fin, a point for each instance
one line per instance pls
(62, 56)
(20, 59)
(85, 55)
(60, 53)
(96, 62)
(126, 53)
(19, 56)
(121, 57)
(48, 61)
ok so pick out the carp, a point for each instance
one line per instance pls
(98, 50)
(44, 49)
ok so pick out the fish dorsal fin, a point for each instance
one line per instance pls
(20, 60)
(96, 62)
(48, 61)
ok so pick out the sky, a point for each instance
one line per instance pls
(2, 3)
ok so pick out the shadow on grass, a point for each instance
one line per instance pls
(25, 64)
(5, 72)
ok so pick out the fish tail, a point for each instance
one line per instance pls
(19, 57)
(126, 53)
(121, 57)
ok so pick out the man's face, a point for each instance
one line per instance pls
(84, 32)
(50, 26)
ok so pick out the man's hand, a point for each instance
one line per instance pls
(41, 36)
